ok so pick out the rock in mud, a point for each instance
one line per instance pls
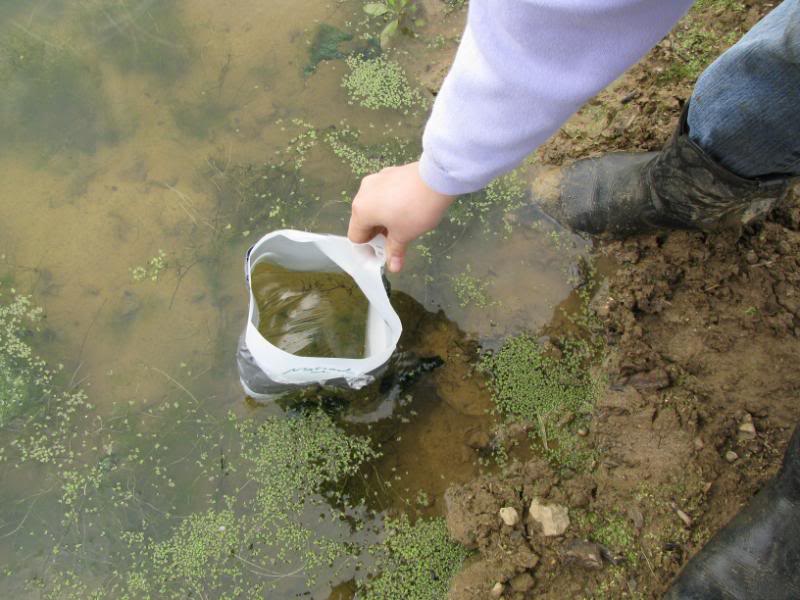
(552, 518)
(497, 590)
(655, 379)
(731, 456)
(522, 582)
(584, 553)
(747, 431)
(509, 515)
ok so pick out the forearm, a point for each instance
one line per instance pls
(523, 67)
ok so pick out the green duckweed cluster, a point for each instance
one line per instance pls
(152, 269)
(555, 393)
(247, 546)
(22, 373)
(415, 562)
(470, 290)
(490, 205)
(364, 159)
(230, 519)
(380, 83)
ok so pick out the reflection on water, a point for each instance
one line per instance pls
(310, 314)
(161, 138)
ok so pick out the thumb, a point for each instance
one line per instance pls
(395, 254)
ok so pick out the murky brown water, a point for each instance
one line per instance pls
(116, 122)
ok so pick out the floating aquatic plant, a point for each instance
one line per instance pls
(380, 83)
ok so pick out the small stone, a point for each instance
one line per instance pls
(583, 432)
(497, 590)
(699, 444)
(509, 515)
(584, 553)
(748, 429)
(731, 456)
(553, 518)
(751, 257)
(687, 520)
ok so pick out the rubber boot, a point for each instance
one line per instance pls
(681, 187)
(757, 555)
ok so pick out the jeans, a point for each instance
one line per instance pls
(745, 108)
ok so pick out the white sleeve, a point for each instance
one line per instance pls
(522, 69)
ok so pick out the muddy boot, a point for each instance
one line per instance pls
(680, 187)
(757, 555)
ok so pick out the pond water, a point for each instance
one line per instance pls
(144, 146)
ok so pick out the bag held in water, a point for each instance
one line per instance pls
(319, 314)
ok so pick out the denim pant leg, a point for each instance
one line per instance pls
(745, 108)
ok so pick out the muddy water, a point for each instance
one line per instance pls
(116, 121)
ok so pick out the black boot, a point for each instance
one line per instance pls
(680, 187)
(757, 554)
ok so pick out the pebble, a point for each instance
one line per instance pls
(731, 456)
(497, 590)
(699, 444)
(509, 515)
(553, 518)
(748, 428)
(583, 432)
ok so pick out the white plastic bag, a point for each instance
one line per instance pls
(264, 369)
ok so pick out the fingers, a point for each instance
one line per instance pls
(395, 254)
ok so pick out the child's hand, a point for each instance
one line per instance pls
(397, 203)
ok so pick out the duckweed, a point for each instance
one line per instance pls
(380, 83)
(500, 197)
(415, 562)
(556, 394)
(22, 373)
(364, 159)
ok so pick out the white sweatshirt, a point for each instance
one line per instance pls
(522, 69)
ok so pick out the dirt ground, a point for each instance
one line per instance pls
(702, 334)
